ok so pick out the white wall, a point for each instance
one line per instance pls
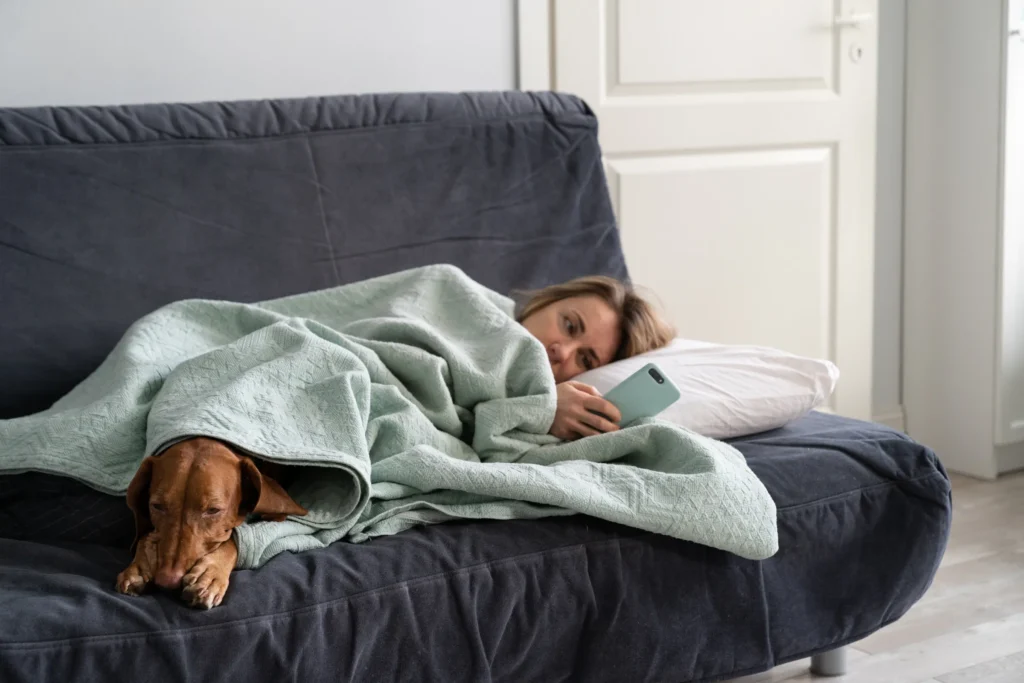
(66, 52)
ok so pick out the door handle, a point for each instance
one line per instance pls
(852, 20)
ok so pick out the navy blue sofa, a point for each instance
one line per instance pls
(107, 213)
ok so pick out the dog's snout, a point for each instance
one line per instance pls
(167, 577)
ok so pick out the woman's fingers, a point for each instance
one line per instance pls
(599, 423)
(583, 412)
(591, 425)
(596, 404)
(583, 429)
(586, 388)
(565, 434)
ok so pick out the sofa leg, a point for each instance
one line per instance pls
(831, 663)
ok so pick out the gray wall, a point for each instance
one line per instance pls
(125, 51)
(68, 52)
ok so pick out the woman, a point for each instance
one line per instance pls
(586, 323)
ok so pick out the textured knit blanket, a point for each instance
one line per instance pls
(409, 399)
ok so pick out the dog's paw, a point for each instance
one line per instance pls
(205, 585)
(132, 581)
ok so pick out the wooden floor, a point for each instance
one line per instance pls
(969, 627)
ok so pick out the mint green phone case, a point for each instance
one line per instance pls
(645, 393)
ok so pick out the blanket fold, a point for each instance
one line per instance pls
(408, 399)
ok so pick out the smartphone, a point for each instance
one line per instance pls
(645, 393)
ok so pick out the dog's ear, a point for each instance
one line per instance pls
(138, 499)
(263, 496)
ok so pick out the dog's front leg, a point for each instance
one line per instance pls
(207, 581)
(139, 574)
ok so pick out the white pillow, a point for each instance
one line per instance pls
(729, 390)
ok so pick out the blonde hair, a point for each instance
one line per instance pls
(642, 327)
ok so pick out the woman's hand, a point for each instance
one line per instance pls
(574, 417)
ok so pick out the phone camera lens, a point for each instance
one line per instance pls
(657, 377)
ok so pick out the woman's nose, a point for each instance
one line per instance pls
(558, 353)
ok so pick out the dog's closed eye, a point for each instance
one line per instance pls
(158, 507)
(213, 512)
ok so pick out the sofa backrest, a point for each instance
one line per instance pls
(107, 213)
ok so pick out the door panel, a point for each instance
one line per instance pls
(691, 44)
(725, 221)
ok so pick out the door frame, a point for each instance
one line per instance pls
(534, 65)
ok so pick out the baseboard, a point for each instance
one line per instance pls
(893, 418)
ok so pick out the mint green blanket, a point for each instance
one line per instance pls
(413, 398)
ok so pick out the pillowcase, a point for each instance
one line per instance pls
(729, 390)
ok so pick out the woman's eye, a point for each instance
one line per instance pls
(570, 326)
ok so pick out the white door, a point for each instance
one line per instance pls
(739, 140)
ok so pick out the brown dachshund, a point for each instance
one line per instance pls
(186, 502)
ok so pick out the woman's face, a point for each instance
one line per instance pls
(580, 333)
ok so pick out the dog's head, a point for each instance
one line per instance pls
(193, 495)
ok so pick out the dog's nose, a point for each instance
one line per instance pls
(168, 578)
